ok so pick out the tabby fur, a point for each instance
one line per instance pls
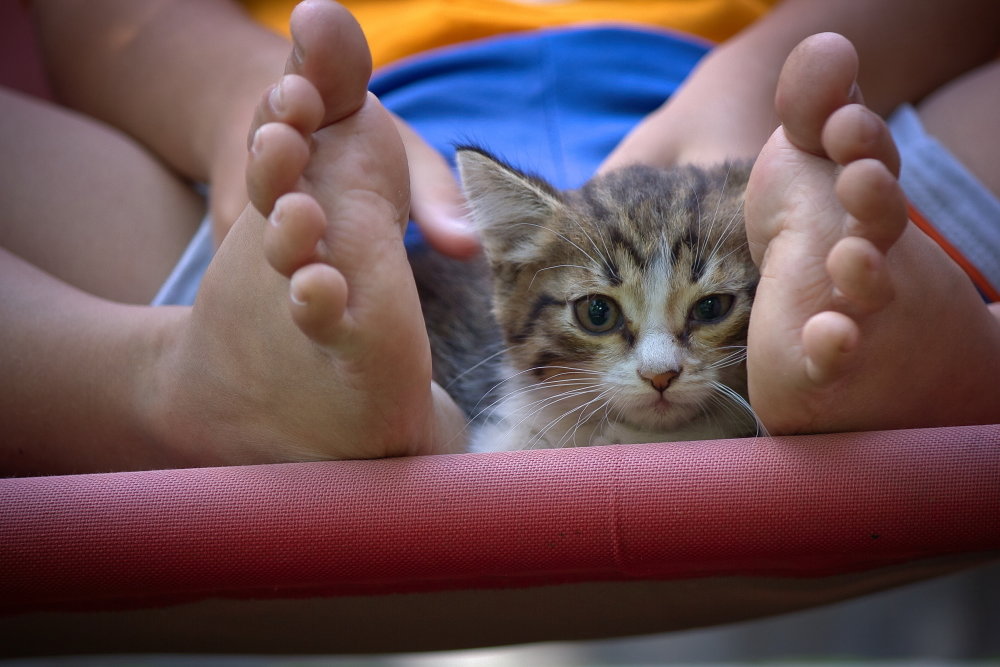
(619, 311)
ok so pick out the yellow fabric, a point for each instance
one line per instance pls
(400, 28)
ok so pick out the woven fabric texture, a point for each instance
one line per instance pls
(799, 507)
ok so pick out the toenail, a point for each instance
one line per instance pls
(298, 55)
(854, 93)
(257, 142)
(277, 98)
(295, 293)
(277, 215)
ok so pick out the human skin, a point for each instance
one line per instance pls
(83, 378)
(95, 384)
(183, 78)
(860, 321)
(725, 109)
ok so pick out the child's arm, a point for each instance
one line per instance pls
(725, 108)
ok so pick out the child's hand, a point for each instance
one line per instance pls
(436, 202)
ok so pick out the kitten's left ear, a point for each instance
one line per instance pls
(509, 208)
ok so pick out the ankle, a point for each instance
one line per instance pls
(448, 434)
(164, 405)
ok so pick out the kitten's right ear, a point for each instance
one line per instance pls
(509, 208)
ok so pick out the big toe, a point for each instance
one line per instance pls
(330, 50)
(819, 77)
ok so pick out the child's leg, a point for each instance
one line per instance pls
(963, 116)
(87, 204)
(80, 378)
(181, 77)
(861, 321)
(95, 385)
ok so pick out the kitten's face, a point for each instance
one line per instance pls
(624, 302)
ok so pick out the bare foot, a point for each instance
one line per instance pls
(335, 362)
(860, 321)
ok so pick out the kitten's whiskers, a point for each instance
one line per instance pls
(606, 255)
(704, 236)
(501, 351)
(570, 432)
(575, 382)
(732, 226)
(571, 242)
(565, 379)
(585, 416)
(737, 356)
(547, 402)
(736, 405)
(558, 266)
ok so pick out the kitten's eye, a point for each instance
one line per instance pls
(597, 314)
(712, 308)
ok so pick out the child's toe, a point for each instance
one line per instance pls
(330, 51)
(855, 132)
(860, 276)
(293, 235)
(278, 155)
(872, 196)
(318, 294)
(293, 101)
(829, 339)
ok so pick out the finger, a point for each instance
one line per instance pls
(437, 204)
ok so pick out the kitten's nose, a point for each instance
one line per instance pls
(661, 381)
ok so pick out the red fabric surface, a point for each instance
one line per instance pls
(800, 507)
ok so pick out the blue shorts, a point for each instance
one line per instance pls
(556, 102)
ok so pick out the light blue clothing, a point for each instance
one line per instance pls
(948, 195)
(181, 286)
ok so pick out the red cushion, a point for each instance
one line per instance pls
(796, 508)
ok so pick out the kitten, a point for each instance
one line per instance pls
(619, 311)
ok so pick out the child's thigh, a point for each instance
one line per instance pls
(962, 115)
(87, 204)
